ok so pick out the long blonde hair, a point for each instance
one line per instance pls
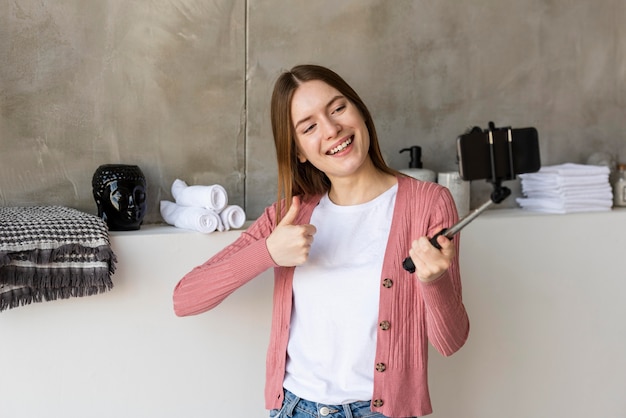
(295, 178)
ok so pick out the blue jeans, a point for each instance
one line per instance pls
(294, 407)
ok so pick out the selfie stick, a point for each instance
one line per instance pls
(497, 196)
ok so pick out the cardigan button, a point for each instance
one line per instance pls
(381, 367)
(385, 325)
(387, 283)
(377, 403)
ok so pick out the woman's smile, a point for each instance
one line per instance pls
(345, 144)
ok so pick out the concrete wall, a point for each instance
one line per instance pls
(181, 87)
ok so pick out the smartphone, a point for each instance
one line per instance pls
(498, 154)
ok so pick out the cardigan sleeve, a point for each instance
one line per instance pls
(207, 285)
(447, 321)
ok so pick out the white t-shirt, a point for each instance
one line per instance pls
(332, 341)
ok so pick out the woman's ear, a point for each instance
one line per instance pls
(301, 158)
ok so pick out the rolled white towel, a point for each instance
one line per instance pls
(233, 216)
(189, 217)
(177, 187)
(212, 197)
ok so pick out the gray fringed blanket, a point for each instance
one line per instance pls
(52, 252)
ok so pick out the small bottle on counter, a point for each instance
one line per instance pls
(415, 169)
(619, 187)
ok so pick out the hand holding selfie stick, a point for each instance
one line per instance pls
(497, 196)
(496, 154)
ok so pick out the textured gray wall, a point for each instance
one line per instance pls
(182, 87)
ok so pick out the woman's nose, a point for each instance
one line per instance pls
(331, 128)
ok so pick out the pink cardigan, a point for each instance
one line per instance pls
(411, 313)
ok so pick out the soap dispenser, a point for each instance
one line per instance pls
(415, 169)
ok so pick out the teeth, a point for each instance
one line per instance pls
(340, 146)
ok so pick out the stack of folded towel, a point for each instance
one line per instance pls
(201, 208)
(567, 188)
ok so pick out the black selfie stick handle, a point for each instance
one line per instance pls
(433, 240)
(408, 263)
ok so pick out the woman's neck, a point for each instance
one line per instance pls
(355, 190)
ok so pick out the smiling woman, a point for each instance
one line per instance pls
(347, 317)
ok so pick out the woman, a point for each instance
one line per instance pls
(350, 327)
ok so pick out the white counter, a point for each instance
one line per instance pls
(545, 293)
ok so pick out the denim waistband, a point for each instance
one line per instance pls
(295, 406)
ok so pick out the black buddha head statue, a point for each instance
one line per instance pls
(120, 194)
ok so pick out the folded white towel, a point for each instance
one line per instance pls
(193, 218)
(554, 180)
(564, 206)
(543, 181)
(212, 197)
(531, 186)
(571, 169)
(600, 194)
(233, 216)
(567, 174)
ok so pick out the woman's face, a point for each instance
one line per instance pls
(330, 130)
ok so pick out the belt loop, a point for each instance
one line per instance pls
(290, 403)
(347, 410)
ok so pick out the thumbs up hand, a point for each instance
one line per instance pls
(289, 244)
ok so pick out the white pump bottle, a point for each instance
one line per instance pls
(415, 169)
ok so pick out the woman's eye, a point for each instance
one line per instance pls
(308, 129)
(339, 108)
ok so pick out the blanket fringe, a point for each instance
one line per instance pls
(22, 296)
(56, 278)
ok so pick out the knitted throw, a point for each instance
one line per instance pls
(52, 252)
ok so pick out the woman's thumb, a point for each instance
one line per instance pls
(291, 214)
